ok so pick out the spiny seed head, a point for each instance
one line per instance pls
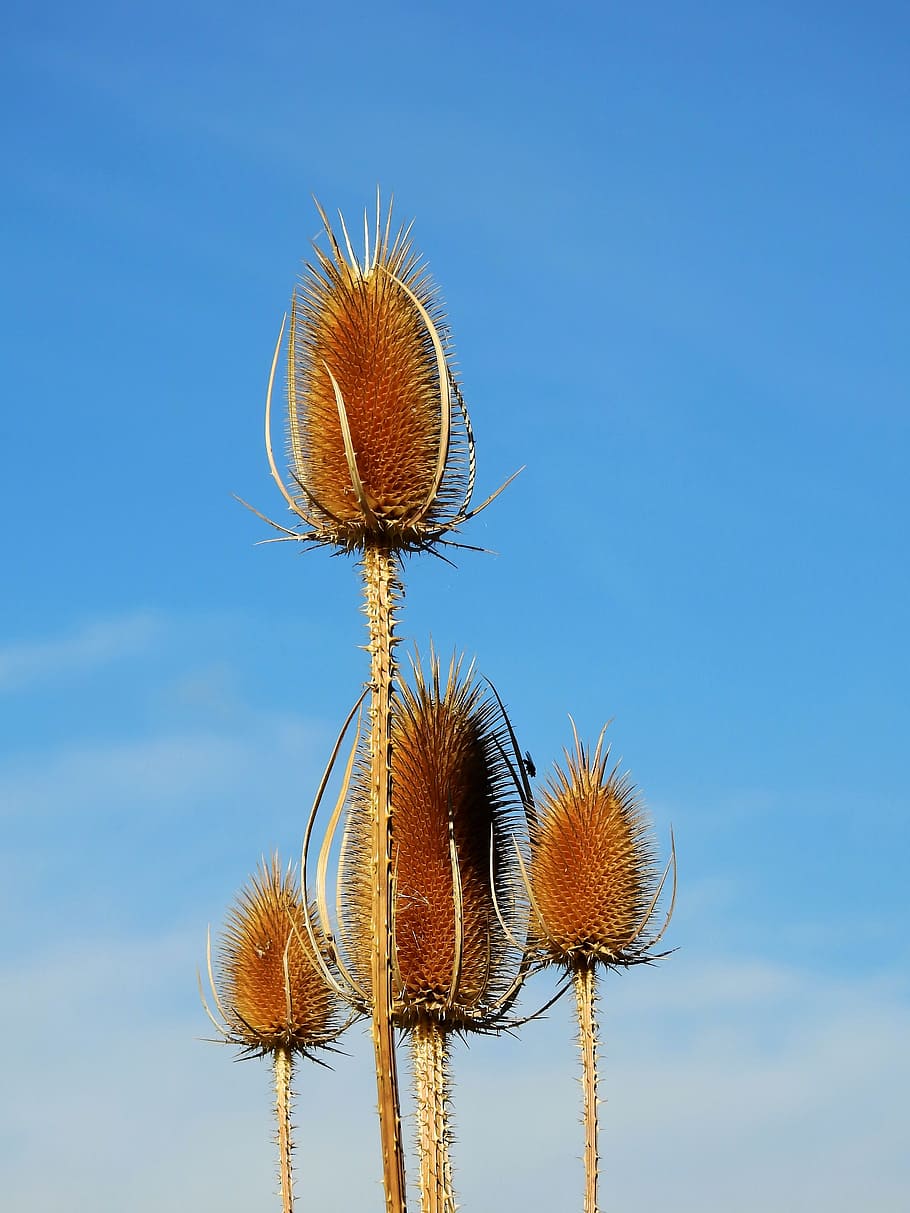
(454, 813)
(592, 872)
(379, 442)
(267, 984)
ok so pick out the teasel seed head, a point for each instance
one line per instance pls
(593, 880)
(456, 810)
(267, 987)
(379, 441)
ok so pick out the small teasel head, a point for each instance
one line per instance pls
(593, 881)
(267, 987)
(457, 809)
(380, 445)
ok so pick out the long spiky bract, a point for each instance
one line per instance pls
(456, 810)
(380, 447)
(593, 886)
(267, 985)
(457, 813)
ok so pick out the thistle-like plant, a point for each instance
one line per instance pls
(381, 463)
(594, 887)
(269, 990)
(457, 908)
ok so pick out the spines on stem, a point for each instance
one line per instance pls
(430, 1065)
(584, 979)
(284, 1063)
(382, 589)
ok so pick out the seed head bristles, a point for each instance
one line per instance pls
(267, 984)
(593, 880)
(458, 906)
(380, 446)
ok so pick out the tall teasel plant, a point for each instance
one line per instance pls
(451, 884)
(594, 887)
(381, 458)
(458, 910)
(268, 988)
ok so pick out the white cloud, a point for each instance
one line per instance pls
(85, 649)
(735, 1085)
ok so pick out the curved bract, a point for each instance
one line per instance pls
(379, 442)
(267, 986)
(456, 811)
(592, 878)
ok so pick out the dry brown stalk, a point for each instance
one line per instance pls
(593, 887)
(430, 1065)
(584, 980)
(284, 1063)
(382, 591)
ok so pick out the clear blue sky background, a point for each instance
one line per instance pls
(673, 243)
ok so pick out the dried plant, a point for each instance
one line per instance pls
(457, 811)
(381, 450)
(381, 461)
(594, 887)
(457, 910)
(444, 901)
(269, 990)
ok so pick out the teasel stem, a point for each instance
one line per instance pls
(382, 586)
(284, 1064)
(584, 979)
(429, 1053)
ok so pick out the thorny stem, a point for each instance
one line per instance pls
(584, 979)
(382, 590)
(284, 1063)
(429, 1051)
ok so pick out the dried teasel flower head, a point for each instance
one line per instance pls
(456, 808)
(267, 987)
(380, 444)
(593, 880)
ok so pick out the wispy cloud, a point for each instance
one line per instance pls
(88, 782)
(95, 644)
(788, 1098)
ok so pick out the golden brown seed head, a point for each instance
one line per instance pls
(592, 871)
(454, 815)
(368, 351)
(268, 986)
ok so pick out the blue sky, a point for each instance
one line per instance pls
(672, 240)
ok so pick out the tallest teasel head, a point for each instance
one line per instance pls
(379, 442)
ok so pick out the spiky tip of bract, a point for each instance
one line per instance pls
(379, 442)
(267, 985)
(455, 812)
(593, 879)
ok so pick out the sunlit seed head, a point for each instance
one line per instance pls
(267, 984)
(592, 871)
(369, 350)
(451, 786)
